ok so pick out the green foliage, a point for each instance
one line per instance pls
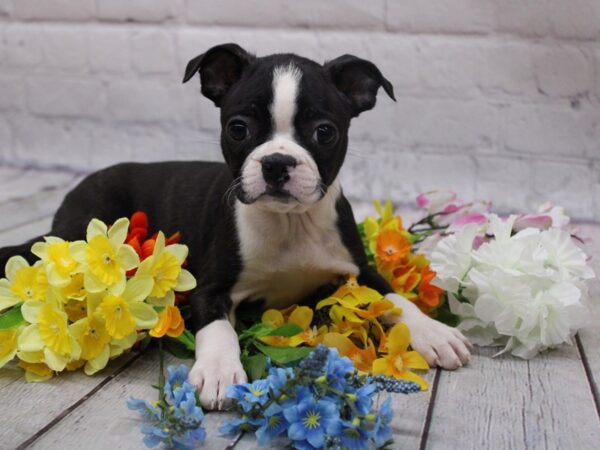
(11, 318)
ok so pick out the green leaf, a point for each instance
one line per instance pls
(177, 349)
(287, 330)
(258, 330)
(255, 366)
(283, 355)
(12, 317)
(187, 339)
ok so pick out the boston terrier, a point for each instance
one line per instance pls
(271, 225)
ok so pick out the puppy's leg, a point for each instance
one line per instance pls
(217, 363)
(439, 344)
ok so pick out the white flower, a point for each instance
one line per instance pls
(557, 213)
(451, 258)
(564, 256)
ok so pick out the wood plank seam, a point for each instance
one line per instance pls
(77, 404)
(588, 373)
(430, 407)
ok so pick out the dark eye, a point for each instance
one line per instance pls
(237, 130)
(325, 134)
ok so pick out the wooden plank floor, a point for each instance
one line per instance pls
(550, 402)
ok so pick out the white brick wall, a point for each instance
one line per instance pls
(497, 99)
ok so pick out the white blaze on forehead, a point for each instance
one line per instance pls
(286, 82)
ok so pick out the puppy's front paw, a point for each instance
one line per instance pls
(439, 344)
(212, 376)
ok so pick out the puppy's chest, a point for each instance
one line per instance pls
(287, 257)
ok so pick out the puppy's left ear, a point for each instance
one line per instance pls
(220, 68)
(359, 80)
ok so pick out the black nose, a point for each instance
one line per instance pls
(275, 168)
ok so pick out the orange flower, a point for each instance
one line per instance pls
(398, 361)
(392, 247)
(362, 358)
(429, 295)
(170, 323)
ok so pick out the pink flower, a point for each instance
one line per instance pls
(539, 221)
(462, 220)
(435, 202)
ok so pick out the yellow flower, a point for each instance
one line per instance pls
(164, 267)
(35, 372)
(57, 259)
(399, 360)
(49, 333)
(94, 341)
(8, 345)
(299, 315)
(362, 358)
(105, 257)
(170, 323)
(76, 310)
(22, 282)
(124, 312)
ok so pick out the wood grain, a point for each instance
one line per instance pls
(104, 421)
(508, 403)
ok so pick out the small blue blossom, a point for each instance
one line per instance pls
(311, 420)
(250, 394)
(147, 410)
(383, 432)
(176, 377)
(243, 423)
(153, 435)
(274, 424)
(353, 437)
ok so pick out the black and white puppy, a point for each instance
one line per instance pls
(270, 225)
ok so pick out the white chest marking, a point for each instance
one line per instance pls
(287, 256)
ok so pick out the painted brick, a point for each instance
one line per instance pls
(549, 130)
(437, 16)
(64, 48)
(6, 8)
(152, 51)
(139, 10)
(564, 184)
(597, 73)
(507, 69)
(506, 182)
(578, 19)
(449, 66)
(596, 191)
(145, 101)
(562, 70)
(109, 50)
(13, 93)
(74, 10)
(5, 139)
(280, 13)
(66, 97)
(56, 142)
(22, 47)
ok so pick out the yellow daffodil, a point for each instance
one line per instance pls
(8, 345)
(387, 221)
(362, 358)
(49, 333)
(22, 283)
(398, 362)
(170, 323)
(299, 315)
(58, 262)
(75, 289)
(76, 310)
(124, 312)
(35, 372)
(105, 257)
(164, 267)
(94, 341)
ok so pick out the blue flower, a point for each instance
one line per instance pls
(249, 394)
(144, 407)
(363, 398)
(383, 432)
(176, 384)
(353, 436)
(238, 424)
(311, 420)
(273, 425)
(189, 440)
(189, 411)
(154, 435)
(278, 378)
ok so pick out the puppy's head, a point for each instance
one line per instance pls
(285, 119)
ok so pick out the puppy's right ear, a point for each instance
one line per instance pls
(220, 68)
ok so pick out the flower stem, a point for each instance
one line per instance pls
(161, 378)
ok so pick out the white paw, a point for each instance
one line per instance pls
(439, 344)
(211, 376)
